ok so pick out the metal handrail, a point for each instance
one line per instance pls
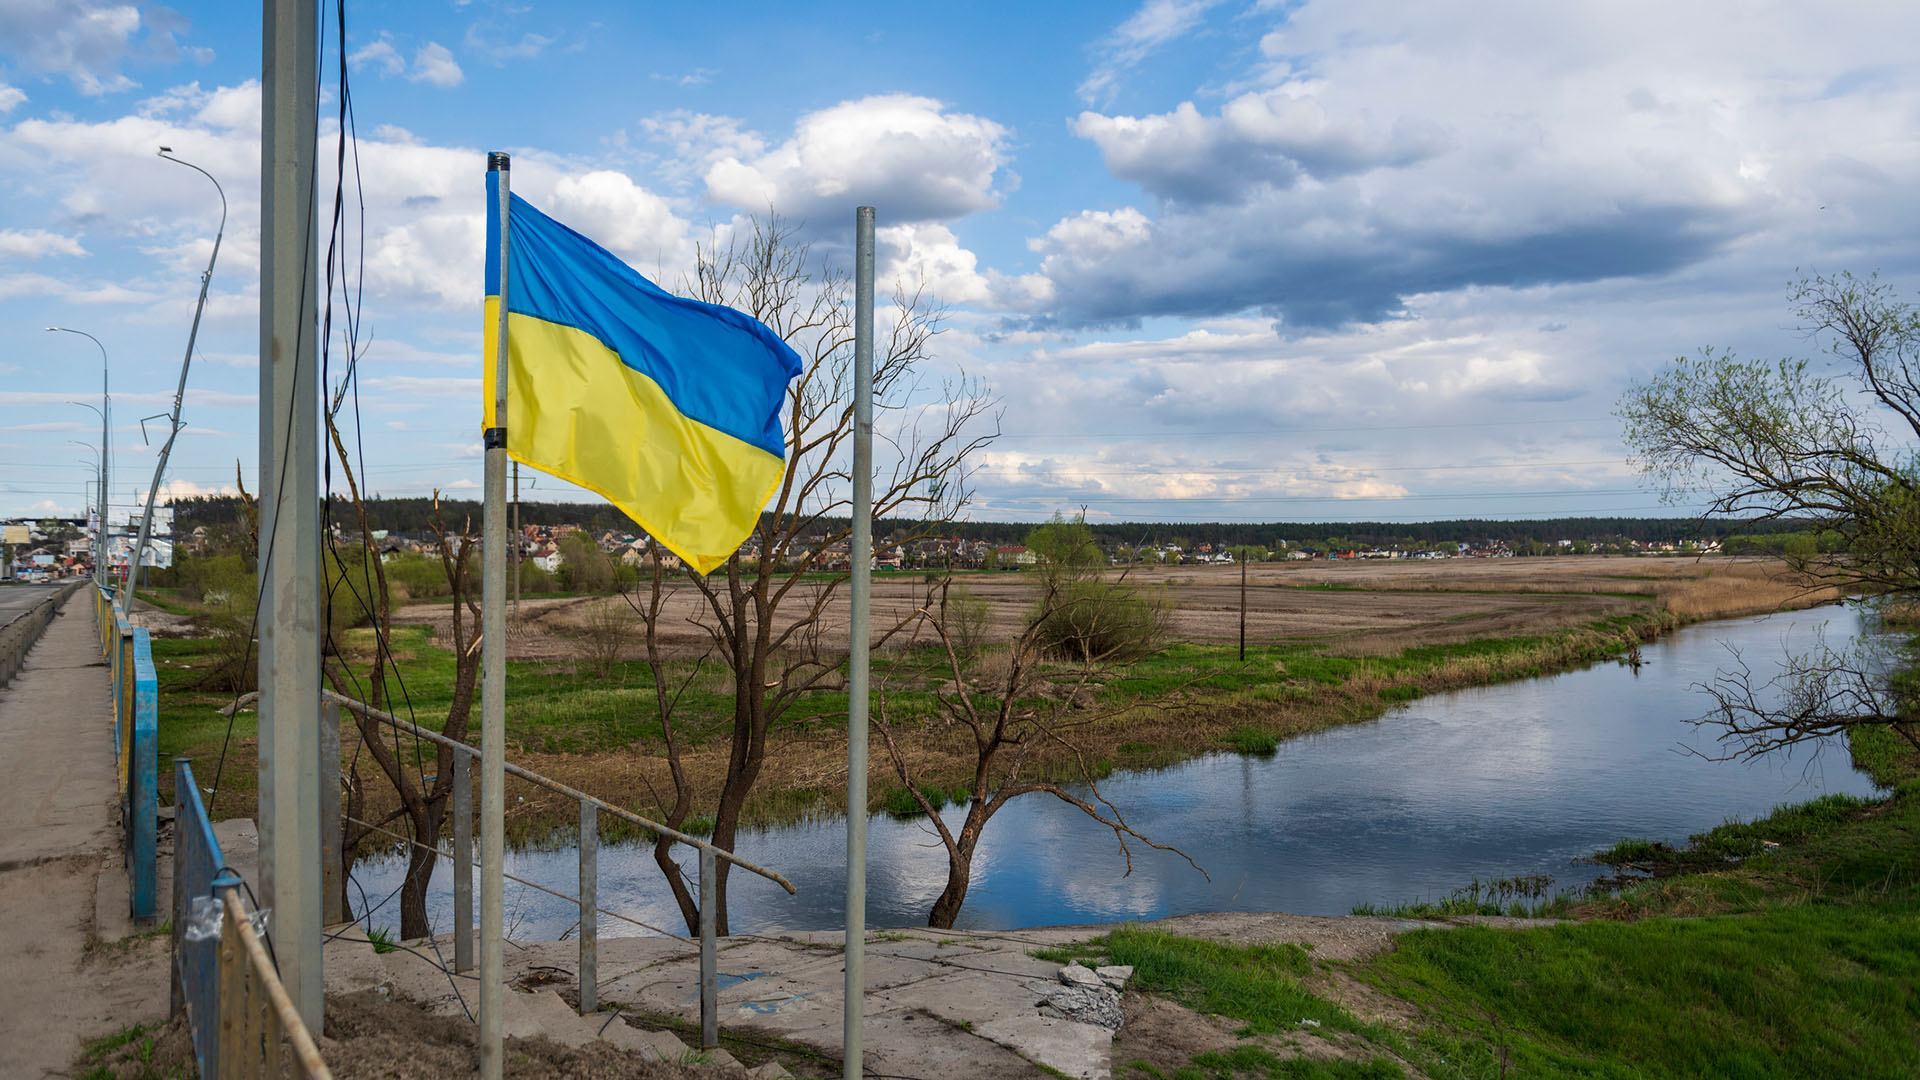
(529, 775)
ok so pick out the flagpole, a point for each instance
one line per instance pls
(861, 557)
(493, 674)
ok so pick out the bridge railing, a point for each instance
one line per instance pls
(136, 733)
(590, 809)
(242, 1021)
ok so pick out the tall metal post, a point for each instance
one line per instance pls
(290, 603)
(333, 869)
(462, 862)
(180, 392)
(106, 451)
(1243, 604)
(589, 979)
(517, 542)
(493, 671)
(857, 675)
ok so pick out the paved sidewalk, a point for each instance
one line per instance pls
(62, 887)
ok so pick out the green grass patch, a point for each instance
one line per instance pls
(1252, 741)
(1257, 984)
(1806, 991)
(1255, 1062)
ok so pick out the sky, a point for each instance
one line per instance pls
(1217, 260)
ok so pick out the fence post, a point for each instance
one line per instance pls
(709, 979)
(333, 893)
(143, 802)
(462, 861)
(589, 916)
(177, 920)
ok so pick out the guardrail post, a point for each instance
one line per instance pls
(589, 924)
(182, 780)
(333, 891)
(462, 861)
(709, 976)
(143, 804)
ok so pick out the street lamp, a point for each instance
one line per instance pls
(106, 452)
(180, 391)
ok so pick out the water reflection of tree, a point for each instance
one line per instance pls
(1015, 707)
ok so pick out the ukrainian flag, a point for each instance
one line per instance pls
(668, 407)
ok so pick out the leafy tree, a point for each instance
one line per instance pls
(1803, 440)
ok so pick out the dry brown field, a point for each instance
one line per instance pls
(1369, 607)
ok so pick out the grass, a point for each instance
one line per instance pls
(107, 1057)
(1253, 1061)
(1258, 984)
(381, 940)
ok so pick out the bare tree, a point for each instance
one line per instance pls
(764, 615)
(1009, 716)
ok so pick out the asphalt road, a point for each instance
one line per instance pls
(17, 600)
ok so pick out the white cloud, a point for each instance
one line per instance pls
(1156, 23)
(1374, 162)
(380, 55)
(525, 47)
(174, 488)
(36, 243)
(80, 39)
(930, 256)
(10, 97)
(905, 153)
(434, 64)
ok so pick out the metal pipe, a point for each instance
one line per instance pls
(857, 659)
(709, 974)
(180, 391)
(589, 981)
(290, 600)
(524, 773)
(462, 862)
(333, 870)
(493, 669)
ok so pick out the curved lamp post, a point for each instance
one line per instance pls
(180, 391)
(106, 411)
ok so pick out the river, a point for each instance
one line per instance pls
(1517, 779)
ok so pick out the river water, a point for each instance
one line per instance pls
(1516, 779)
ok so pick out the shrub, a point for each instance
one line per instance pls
(1091, 619)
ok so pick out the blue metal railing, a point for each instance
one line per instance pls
(199, 872)
(136, 731)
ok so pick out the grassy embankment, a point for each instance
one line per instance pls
(1787, 947)
(601, 733)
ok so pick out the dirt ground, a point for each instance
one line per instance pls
(1381, 605)
(374, 1038)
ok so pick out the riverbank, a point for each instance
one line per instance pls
(1786, 947)
(1341, 644)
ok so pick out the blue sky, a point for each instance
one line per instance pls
(1219, 260)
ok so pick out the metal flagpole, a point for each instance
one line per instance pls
(289, 612)
(516, 540)
(493, 675)
(857, 676)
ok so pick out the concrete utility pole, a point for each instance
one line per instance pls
(290, 603)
